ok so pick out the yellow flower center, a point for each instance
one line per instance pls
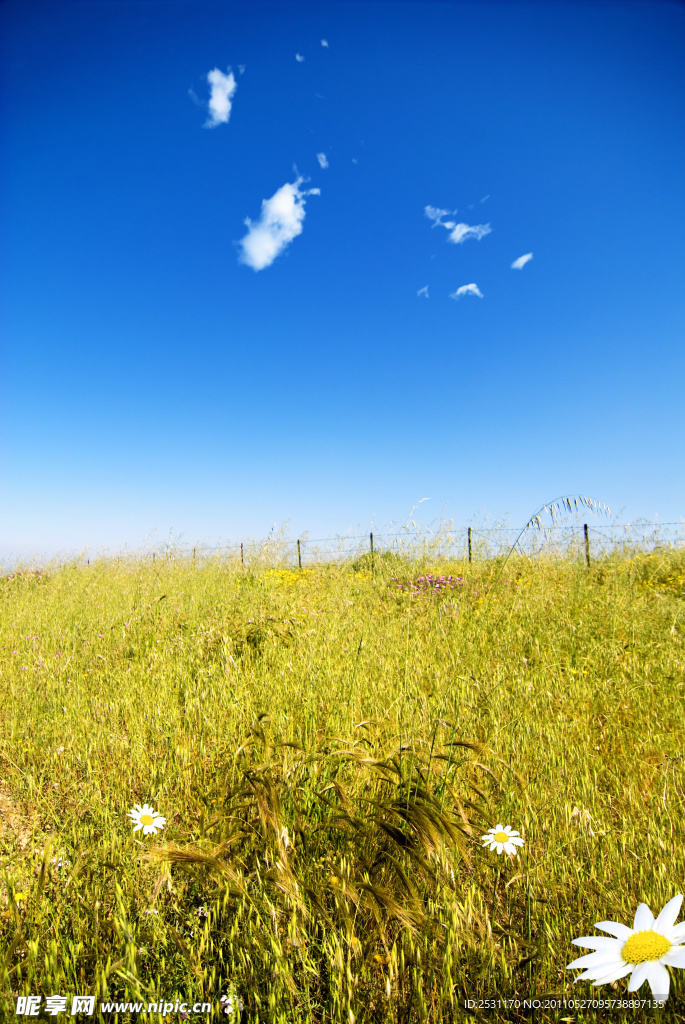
(501, 837)
(647, 945)
(146, 819)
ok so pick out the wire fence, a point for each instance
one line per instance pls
(579, 540)
(467, 543)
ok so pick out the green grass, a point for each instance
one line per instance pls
(328, 749)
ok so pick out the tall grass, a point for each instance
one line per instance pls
(328, 747)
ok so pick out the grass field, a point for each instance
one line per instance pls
(328, 747)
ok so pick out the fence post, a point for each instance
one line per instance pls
(193, 556)
(242, 560)
(587, 544)
(153, 556)
(469, 543)
(299, 556)
(371, 539)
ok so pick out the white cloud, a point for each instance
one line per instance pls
(436, 215)
(299, 58)
(223, 89)
(467, 289)
(241, 69)
(423, 291)
(323, 160)
(520, 263)
(324, 42)
(485, 197)
(458, 232)
(279, 224)
(461, 232)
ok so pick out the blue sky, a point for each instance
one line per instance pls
(260, 266)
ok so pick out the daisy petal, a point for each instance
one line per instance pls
(613, 974)
(644, 919)
(659, 981)
(604, 959)
(597, 942)
(639, 975)
(668, 915)
(586, 976)
(621, 931)
(675, 958)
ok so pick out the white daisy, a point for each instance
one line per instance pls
(503, 838)
(230, 1003)
(147, 819)
(646, 950)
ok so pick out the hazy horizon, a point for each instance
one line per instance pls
(489, 537)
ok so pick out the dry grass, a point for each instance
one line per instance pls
(328, 747)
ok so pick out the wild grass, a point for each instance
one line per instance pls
(328, 747)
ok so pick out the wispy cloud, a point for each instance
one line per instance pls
(461, 232)
(458, 232)
(323, 160)
(484, 198)
(324, 42)
(299, 58)
(223, 90)
(279, 224)
(436, 215)
(467, 289)
(423, 291)
(520, 263)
